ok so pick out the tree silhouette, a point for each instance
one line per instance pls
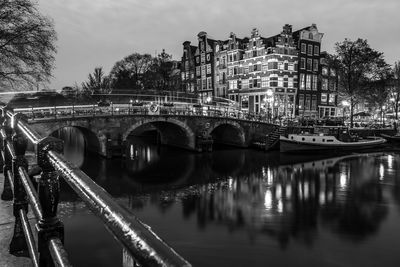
(27, 44)
(97, 82)
(356, 62)
(395, 92)
(132, 72)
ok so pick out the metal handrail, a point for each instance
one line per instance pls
(140, 241)
(58, 253)
(33, 197)
(32, 249)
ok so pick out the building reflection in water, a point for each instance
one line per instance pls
(254, 193)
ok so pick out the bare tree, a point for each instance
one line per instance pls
(132, 72)
(395, 92)
(377, 90)
(356, 61)
(97, 83)
(27, 44)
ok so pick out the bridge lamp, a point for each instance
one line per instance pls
(208, 100)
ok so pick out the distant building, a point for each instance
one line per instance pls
(188, 68)
(328, 97)
(279, 76)
(308, 41)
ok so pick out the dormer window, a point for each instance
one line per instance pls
(310, 36)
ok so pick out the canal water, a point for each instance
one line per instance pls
(240, 207)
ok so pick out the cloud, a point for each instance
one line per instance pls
(101, 32)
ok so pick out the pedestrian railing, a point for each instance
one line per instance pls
(42, 195)
(141, 109)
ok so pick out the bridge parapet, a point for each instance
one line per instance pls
(141, 243)
(192, 126)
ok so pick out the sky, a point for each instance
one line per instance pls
(99, 33)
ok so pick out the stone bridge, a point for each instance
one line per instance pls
(106, 135)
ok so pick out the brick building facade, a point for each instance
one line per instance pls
(279, 76)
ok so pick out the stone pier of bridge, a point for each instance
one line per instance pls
(107, 135)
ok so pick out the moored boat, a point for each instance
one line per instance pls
(392, 138)
(308, 142)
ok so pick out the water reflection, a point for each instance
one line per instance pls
(261, 199)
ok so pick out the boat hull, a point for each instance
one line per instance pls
(294, 146)
(391, 138)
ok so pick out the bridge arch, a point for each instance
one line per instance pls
(172, 131)
(92, 140)
(228, 132)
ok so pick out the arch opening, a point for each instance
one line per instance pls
(163, 133)
(78, 141)
(228, 134)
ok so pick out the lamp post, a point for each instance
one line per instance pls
(112, 108)
(269, 101)
(345, 104)
(383, 115)
(130, 106)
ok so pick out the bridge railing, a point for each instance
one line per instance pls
(42, 194)
(141, 108)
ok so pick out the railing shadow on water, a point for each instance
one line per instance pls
(141, 246)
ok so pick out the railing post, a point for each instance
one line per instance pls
(49, 226)
(18, 245)
(7, 164)
(1, 147)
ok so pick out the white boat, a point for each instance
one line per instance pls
(321, 142)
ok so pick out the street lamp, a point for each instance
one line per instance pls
(130, 106)
(383, 115)
(269, 100)
(345, 104)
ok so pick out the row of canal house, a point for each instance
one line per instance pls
(285, 75)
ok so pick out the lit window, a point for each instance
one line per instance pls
(308, 82)
(324, 84)
(324, 97)
(302, 81)
(264, 82)
(314, 82)
(331, 99)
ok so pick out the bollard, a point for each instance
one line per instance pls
(18, 246)
(49, 226)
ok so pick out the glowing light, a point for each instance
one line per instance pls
(230, 183)
(268, 200)
(131, 151)
(278, 192)
(270, 177)
(343, 180)
(280, 206)
(306, 190)
(322, 197)
(381, 172)
(390, 162)
(288, 191)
